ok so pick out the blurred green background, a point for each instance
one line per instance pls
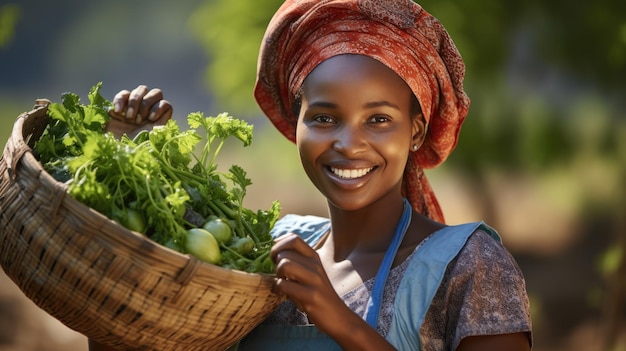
(542, 155)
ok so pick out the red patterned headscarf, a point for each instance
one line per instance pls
(399, 34)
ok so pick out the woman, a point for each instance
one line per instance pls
(372, 93)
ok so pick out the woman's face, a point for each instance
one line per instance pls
(355, 130)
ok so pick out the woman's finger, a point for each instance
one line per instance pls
(120, 102)
(291, 289)
(294, 243)
(134, 101)
(148, 101)
(292, 265)
(160, 112)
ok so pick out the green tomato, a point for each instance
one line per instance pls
(220, 230)
(134, 220)
(243, 245)
(201, 244)
(172, 245)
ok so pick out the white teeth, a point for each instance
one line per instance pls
(350, 173)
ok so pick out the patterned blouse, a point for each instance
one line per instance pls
(483, 292)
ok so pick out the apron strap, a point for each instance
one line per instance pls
(375, 301)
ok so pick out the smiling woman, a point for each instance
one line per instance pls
(353, 69)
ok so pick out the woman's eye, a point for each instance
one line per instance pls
(323, 119)
(379, 119)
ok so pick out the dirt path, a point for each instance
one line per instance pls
(26, 327)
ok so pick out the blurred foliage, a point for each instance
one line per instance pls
(589, 38)
(610, 261)
(9, 15)
(231, 32)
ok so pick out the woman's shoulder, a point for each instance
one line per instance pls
(443, 245)
(308, 227)
(484, 256)
(483, 291)
(462, 272)
(485, 249)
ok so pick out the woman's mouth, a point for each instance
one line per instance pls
(350, 173)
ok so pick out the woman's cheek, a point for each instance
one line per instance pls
(310, 148)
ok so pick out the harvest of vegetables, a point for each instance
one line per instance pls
(157, 184)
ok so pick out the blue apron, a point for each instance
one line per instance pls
(425, 272)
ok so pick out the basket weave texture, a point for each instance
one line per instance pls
(106, 282)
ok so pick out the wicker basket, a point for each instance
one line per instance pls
(106, 282)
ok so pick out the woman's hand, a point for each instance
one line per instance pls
(302, 278)
(137, 110)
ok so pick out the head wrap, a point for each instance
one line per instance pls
(397, 33)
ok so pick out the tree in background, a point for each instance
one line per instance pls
(9, 14)
(231, 32)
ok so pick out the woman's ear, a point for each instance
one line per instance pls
(419, 129)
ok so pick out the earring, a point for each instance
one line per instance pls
(415, 147)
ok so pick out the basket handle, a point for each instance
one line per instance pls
(16, 147)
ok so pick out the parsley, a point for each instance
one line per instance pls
(157, 175)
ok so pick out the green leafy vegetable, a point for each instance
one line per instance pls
(153, 182)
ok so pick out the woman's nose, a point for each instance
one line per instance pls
(349, 140)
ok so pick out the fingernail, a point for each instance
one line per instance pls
(117, 108)
(152, 116)
(138, 119)
(130, 113)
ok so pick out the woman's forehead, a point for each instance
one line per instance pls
(358, 69)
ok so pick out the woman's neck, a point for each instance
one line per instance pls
(367, 230)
